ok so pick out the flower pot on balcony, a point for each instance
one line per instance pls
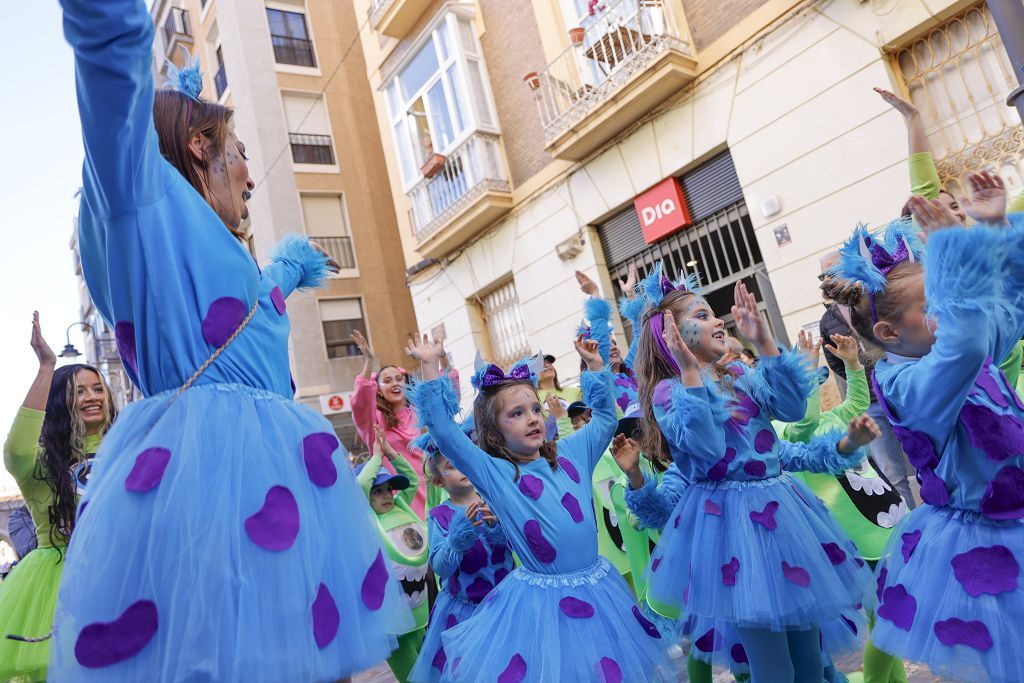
(576, 35)
(532, 79)
(433, 166)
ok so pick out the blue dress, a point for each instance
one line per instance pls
(566, 614)
(470, 561)
(949, 583)
(223, 536)
(749, 545)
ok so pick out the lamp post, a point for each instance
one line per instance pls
(69, 350)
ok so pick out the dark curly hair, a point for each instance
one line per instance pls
(61, 442)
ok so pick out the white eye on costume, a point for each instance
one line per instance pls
(81, 475)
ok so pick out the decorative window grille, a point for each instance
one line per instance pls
(505, 326)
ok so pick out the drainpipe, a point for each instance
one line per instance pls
(1009, 18)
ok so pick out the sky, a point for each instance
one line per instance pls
(40, 171)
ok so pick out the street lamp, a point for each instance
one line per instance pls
(69, 349)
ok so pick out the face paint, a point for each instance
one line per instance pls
(690, 332)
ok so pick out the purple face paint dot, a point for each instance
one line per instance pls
(662, 395)
(277, 298)
(721, 468)
(655, 563)
(610, 671)
(474, 559)
(999, 436)
(910, 541)
(918, 446)
(148, 470)
(317, 450)
(572, 505)
(325, 617)
(1004, 495)
(440, 659)
(375, 583)
(766, 517)
(992, 570)
(124, 336)
(836, 555)
(712, 508)
(797, 575)
(575, 608)
(450, 621)
(570, 469)
(933, 488)
(729, 572)
(515, 671)
(479, 589)
(442, 514)
(276, 524)
(646, 624)
(539, 546)
(711, 641)
(973, 634)
(764, 441)
(530, 486)
(880, 582)
(755, 468)
(222, 319)
(849, 624)
(500, 575)
(738, 654)
(898, 606)
(103, 644)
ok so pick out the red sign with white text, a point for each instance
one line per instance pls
(662, 210)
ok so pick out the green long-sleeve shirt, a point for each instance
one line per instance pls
(924, 180)
(816, 422)
(402, 466)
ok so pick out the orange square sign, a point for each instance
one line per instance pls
(662, 210)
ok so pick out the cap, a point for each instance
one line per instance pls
(577, 408)
(629, 423)
(548, 358)
(396, 482)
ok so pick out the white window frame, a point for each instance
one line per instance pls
(459, 57)
(310, 168)
(294, 68)
(344, 273)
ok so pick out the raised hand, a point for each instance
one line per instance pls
(810, 348)
(424, 350)
(332, 265)
(386, 449)
(932, 215)
(749, 322)
(628, 284)
(861, 432)
(588, 352)
(555, 407)
(689, 366)
(908, 109)
(43, 351)
(987, 203)
(626, 453)
(479, 512)
(846, 349)
(362, 344)
(588, 286)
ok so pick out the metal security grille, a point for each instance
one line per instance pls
(958, 75)
(505, 326)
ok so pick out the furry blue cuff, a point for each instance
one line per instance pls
(1013, 253)
(962, 265)
(649, 505)
(820, 455)
(790, 368)
(632, 308)
(297, 250)
(461, 532)
(689, 409)
(433, 398)
(597, 311)
(597, 389)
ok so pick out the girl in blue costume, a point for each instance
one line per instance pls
(468, 553)
(222, 537)
(565, 615)
(949, 585)
(748, 546)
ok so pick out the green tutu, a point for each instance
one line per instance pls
(27, 600)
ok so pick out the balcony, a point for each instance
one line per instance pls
(396, 17)
(220, 80)
(297, 51)
(177, 29)
(311, 149)
(340, 249)
(631, 59)
(467, 194)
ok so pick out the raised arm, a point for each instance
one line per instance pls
(632, 307)
(833, 451)
(369, 472)
(400, 464)
(587, 445)
(23, 441)
(653, 503)
(857, 397)
(298, 263)
(781, 385)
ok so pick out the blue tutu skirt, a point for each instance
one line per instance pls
(951, 595)
(757, 554)
(223, 537)
(579, 626)
(448, 612)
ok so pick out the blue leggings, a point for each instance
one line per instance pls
(783, 656)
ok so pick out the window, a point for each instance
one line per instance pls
(958, 75)
(326, 223)
(290, 38)
(220, 78)
(339, 318)
(309, 130)
(505, 326)
(428, 103)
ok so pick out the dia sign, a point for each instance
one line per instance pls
(662, 210)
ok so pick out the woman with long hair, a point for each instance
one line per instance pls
(225, 537)
(57, 429)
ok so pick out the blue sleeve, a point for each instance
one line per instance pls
(962, 286)
(1008, 316)
(818, 455)
(586, 446)
(113, 45)
(633, 310)
(692, 419)
(495, 535)
(597, 312)
(436, 404)
(448, 547)
(653, 503)
(781, 385)
(295, 264)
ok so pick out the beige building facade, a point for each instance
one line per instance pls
(741, 140)
(294, 73)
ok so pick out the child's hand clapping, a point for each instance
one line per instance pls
(479, 512)
(588, 352)
(987, 203)
(810, 348)
(627, 456)
(932, 215)
(861, 432)
(845, 349)
(386, 449)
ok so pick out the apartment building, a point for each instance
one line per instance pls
(294, 73)
(737, 140)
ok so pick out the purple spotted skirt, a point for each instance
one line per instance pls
(758, 554)
(223, 538)
(951, 594)
(579, 626)
(448, 611)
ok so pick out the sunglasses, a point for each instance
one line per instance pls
(822, 277)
